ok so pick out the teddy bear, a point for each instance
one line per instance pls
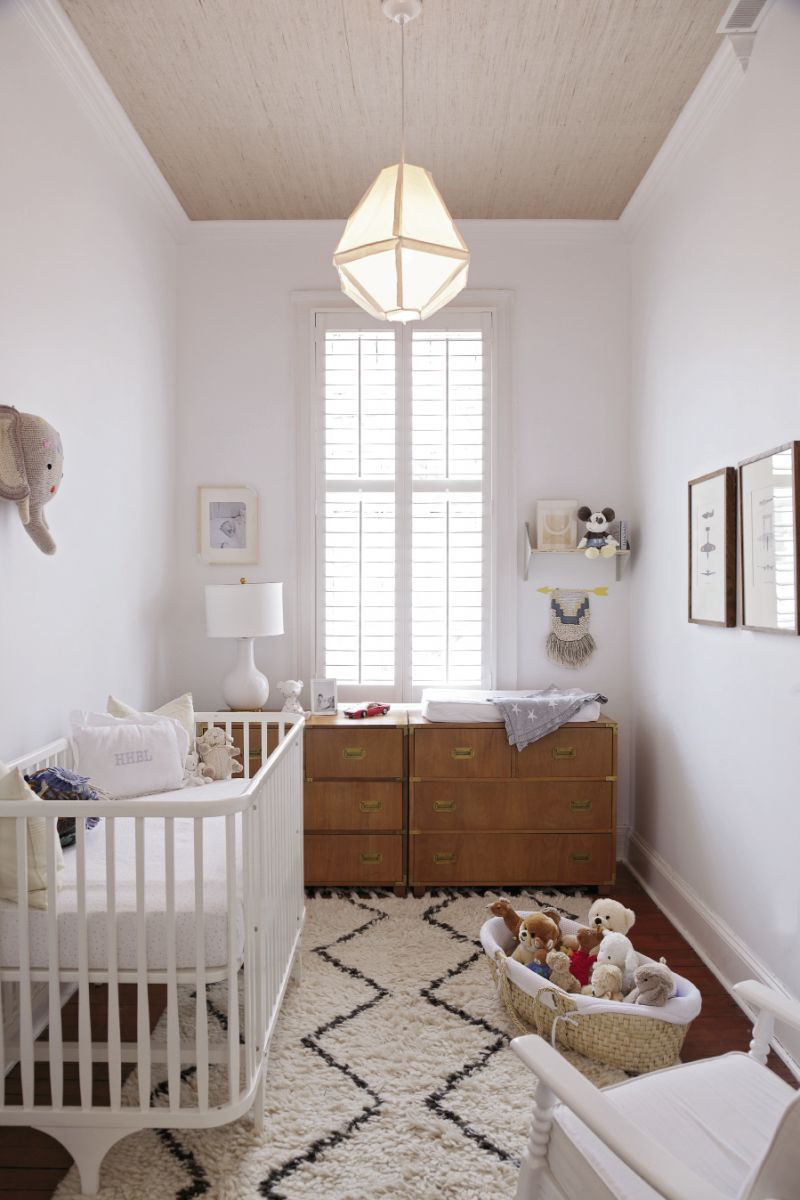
(560, 973)
(610, 915)
(597, 540)
(618, 950)
(654, 984)
(537, 934)
(583, 958)
(290, 689)
(218, 752)
(606, 982)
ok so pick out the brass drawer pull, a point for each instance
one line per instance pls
(581, 805)
(444, 806)
(351, 752)
(445, 857)
(565, 752)
(372, 857)
(371, 805)
(580, 858)
(462, 752)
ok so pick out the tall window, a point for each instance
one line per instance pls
(403, 504)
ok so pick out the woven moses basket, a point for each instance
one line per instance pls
(633, 1037)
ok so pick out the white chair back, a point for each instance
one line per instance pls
(777, 1176)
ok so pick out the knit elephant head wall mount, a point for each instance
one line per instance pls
(31, 465)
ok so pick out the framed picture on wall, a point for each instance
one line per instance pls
(556, 524)
(769, 517)
(228, 525)
(712, 548)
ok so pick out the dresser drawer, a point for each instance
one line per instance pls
(466, 753)
(490, 859)
(353, 858)
(569, 753)
(357, 753)
(353, 806)
(513, 804)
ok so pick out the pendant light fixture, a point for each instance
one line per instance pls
(401, 257)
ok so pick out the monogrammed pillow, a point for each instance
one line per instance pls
(128, 758)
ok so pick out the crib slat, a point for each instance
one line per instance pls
(201, 1008)
(114, 1035)
(53, 983)
(25, 1015)
(173, 1030)
(233, 982)
(84, 1013)
(246, 748)
(142, 996)
(250, 934)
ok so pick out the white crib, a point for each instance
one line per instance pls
(198, 887)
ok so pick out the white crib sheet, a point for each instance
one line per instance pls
(214, 895)
(475, 706)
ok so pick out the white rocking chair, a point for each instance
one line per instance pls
(723, 1128)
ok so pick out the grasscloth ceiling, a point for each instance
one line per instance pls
(258, 109)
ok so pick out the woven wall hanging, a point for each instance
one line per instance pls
(569, 643)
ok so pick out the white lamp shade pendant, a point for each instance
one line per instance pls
(401, 257)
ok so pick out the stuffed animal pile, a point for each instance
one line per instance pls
(597, 961)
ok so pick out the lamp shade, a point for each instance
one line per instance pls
(244, 610)
(401, 257)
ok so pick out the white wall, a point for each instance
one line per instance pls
(570, 366)
(87, 340)
(716, 378)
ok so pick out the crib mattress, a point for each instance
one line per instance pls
(475, 706)
(214, 896)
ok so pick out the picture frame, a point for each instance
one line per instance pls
(712, 548)
(769, 528)
(323, 697)
(556, 525)
(227, 525)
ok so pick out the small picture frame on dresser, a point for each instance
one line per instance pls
(323, 697)
(769, 522)
(712, 548)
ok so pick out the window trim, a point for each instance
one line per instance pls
(505, 563)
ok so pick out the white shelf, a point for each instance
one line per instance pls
(621, 557)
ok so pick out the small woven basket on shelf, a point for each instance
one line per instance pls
(629, 1041)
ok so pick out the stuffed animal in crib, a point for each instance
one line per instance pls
(654, 982)
(597, 540)
(537, 934)
(610, 915)
(511, 918)
(218, 752)
(618, 950)
(560, 974)
(583, 959)
(606, 982)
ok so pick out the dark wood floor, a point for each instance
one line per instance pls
(32, 1164)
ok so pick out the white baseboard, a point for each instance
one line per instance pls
(723, 952)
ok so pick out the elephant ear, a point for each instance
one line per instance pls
(13, 479)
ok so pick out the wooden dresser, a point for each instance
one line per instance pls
(355, 800)
(484, 814)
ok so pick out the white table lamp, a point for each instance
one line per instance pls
(244, 611)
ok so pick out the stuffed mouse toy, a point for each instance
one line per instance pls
(597, 541)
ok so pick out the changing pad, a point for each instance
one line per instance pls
(214, 895)
(474, 706)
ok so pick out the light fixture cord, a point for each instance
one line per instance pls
(402, 89)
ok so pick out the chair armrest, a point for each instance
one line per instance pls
(670, 1177)
(783, 1008)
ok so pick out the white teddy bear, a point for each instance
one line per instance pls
(290, 689)
(618, 950)
(610, 916)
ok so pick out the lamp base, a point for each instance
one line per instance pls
(245, 688)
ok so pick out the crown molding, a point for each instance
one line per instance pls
(721, 80)
(57, 36)
(277, 232)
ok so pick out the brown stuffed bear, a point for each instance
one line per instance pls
(582, 960)
(537, 934)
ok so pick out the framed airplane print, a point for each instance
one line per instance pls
(712, 548)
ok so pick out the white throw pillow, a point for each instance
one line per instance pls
(93, 718)
(14, 787)
(129, 758)
(181, 709)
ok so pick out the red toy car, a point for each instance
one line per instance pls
(373, 709)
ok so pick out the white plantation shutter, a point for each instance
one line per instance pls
(403, 503)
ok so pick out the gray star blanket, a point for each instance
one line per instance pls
(529, 718)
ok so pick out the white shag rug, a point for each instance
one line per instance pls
(390, 1075)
